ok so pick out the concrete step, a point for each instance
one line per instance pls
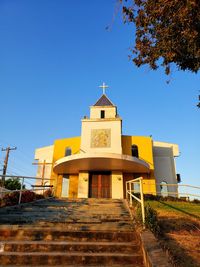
(85, 232)
(113, 265)
(65, 216)
(70, 258)
(92, 247)
(75, 226)
(49, 234)
(83, 211)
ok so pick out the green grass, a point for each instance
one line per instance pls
(175, 208)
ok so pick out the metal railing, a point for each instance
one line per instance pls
(22, 179)
(181, 191)
(176, 190)
(130, 194)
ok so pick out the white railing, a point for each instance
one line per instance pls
(135, 186)
(41, 187)
(175, 190)
(130, 194)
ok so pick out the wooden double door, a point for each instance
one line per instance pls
(100, 185)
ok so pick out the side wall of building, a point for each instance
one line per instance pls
(59, 152)
(44, 157)
(165, 168)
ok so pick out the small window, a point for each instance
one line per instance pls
(68, 151)
(134, 151)
(178, 177)
(102, 114)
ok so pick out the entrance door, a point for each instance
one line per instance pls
(100, 185)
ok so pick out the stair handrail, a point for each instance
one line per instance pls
(130, 194)
(3, 191)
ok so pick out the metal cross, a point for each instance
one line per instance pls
(104, 86)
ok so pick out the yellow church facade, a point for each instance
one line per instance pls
(98, 163)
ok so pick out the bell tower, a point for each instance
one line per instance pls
(101, 132)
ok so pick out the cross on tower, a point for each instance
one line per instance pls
(103, 86)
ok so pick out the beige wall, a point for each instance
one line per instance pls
(114, 125)
(117, 185)
(174, 147)
(83, 185)
(41, 155)
(110, 112)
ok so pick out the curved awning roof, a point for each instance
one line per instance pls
(100, 162)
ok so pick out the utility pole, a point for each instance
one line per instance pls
(7, 149)
(198, 105)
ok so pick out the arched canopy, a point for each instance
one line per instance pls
(100, 162)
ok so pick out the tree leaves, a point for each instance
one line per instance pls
(13, 184)
(167, 31)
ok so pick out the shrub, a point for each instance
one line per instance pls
(37, 197)
(48, 193)
(196, 201)
(28, 196)
(151, 218)
(1, 202)
(151, 197)
(11, 199)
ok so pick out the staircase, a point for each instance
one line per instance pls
(83, 232)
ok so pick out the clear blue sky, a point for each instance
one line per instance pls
(55, 54)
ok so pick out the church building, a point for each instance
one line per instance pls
(98, 163)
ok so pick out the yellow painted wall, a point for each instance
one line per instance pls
(144, 144)
(73, 186)
(57, 184)
(117, 185)
(149, 186)
(61, 144)
(59, 152)
(145, 150)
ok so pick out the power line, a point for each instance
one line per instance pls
(20, 166)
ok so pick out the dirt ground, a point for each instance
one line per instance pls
(181, 232)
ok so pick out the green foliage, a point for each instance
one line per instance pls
(180, 208)
(166, 31)
(13, 184)
(151, 218)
